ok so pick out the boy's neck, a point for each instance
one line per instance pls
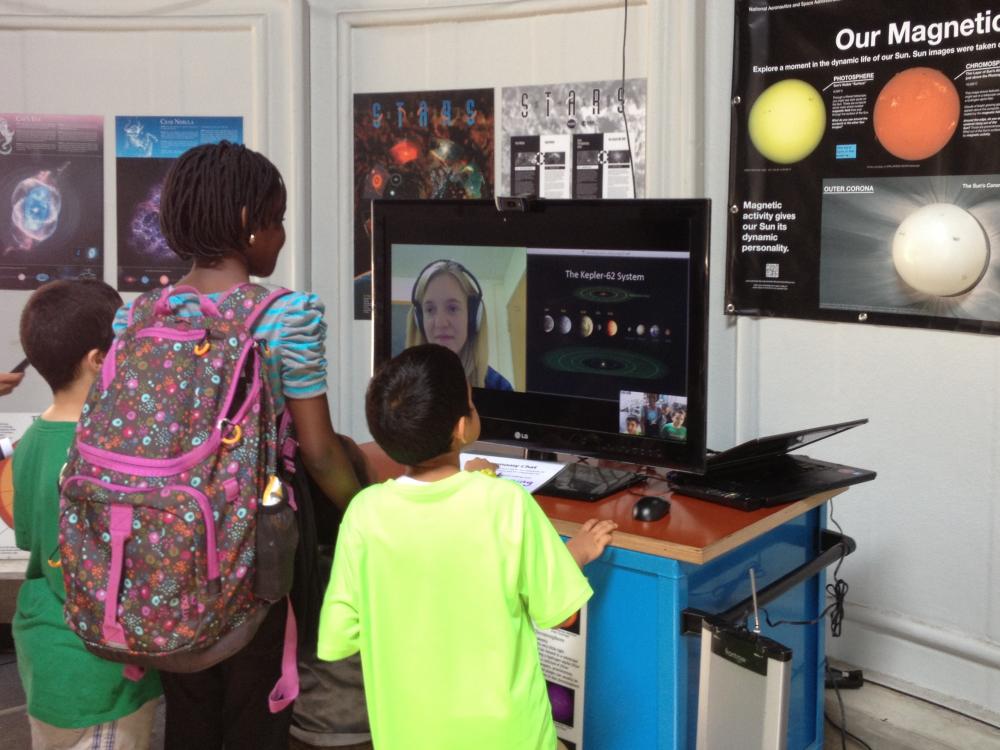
(67, 403)
(433, 469)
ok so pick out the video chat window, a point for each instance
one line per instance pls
(585, 324)
(487, 281)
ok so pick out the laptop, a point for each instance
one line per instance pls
(760, 473)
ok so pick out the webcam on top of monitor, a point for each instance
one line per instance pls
(512, 203)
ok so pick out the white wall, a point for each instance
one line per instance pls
(361, 47)
(225, 57)
(924, 603)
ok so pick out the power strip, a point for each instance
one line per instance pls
(844, 679)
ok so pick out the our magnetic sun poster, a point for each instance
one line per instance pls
(865, 163)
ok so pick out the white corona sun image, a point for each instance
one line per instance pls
(940, 249)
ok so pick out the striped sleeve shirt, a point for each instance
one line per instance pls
(295, 332)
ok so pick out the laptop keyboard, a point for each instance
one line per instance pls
(780, 467)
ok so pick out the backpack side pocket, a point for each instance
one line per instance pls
(277, 539)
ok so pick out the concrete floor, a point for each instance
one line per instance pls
(886, 719)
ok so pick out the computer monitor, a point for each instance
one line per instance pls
(583, 324)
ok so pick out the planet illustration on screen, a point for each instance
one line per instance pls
(787, 121)
(586, 325)
(941, 249)
(640, 330)
(654, 331)
(548, 324)
(611, 328)
(565, 324)
(916, 113)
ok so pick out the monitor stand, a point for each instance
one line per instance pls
(579, 481)
(533, 455)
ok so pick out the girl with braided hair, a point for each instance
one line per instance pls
(222, 208)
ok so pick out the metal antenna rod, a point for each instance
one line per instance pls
(753, 593)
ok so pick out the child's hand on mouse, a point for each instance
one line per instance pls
(590, 540)
(481, 464)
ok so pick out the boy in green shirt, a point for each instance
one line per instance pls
(438, 575)
(75, 699)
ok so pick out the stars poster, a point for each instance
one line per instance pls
(51, 198)
(585, 139)
(416, 144)
(865, 163)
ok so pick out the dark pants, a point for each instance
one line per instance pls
(225, 706)
(297, 744)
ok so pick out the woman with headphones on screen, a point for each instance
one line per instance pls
(448, 310)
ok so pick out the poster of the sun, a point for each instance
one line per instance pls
(146, 146)
(51, 198)
(585, 139)
(416, 144)
(865, 165)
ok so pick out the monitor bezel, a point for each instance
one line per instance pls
(575, 224)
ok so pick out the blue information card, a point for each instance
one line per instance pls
(169, 137)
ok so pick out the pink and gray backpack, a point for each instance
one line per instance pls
(168, 487)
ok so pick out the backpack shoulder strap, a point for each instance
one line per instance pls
(143, 307)
(247, 302)
(160, 302)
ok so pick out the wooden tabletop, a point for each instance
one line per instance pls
(694, 531)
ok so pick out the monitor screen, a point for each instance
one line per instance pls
(581, 324)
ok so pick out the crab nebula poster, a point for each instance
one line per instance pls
(416, 144)
(145, 148)
(51, 198)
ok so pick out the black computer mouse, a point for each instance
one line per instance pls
(650, 508)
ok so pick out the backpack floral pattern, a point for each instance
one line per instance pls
(161, 491)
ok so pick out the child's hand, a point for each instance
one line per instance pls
(481, 464)
(9, 381)
(590, 540)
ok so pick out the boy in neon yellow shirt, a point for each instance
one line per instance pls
(439, 574)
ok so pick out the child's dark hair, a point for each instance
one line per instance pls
(414, 402)
(203, 198)
(62, 321)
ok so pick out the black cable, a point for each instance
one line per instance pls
(843, 714)
(834, 520)
(837, 590)
(628, 138)
(844, 734)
